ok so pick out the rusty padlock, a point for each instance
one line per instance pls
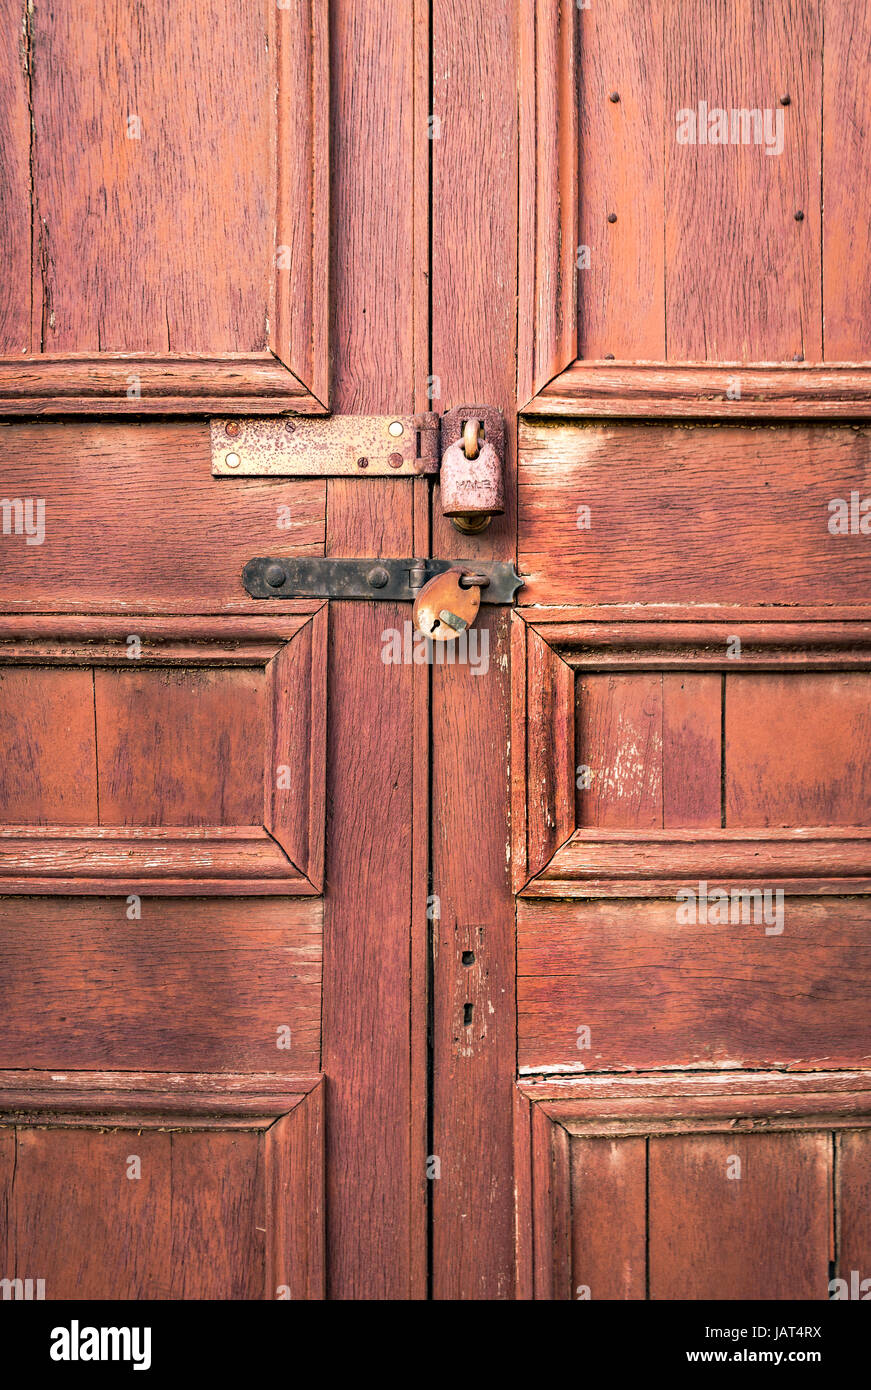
(472, 483)
(447, 604)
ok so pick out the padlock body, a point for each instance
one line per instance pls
(444, 608)
(471, 487)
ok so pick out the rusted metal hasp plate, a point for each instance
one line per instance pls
(326, 446)
(394, 580)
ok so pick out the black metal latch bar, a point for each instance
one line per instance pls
(393, 580)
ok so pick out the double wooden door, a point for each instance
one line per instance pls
(326, 975)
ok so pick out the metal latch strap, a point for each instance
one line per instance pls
(392, 580)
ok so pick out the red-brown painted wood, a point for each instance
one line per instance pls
(846, 111)
(474, 332)
(621, 275)
(99, 983)
(650, 989)
(135, 522)
(774, 773)
(694, 514)
(764, 1235)
(609, 1218)
(853, 1208)
(375, 919)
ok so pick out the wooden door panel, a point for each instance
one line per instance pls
(48, 773)
(230, 1210)
(206, 757)
(617, 514)
(142, 177)
(134, 521)
(608, 1199)
(853, 1200)
(656, 992)
(740, 1216)
(679, 750)
(642, 1189)
(188, 985)
(690, 667)
(640, 245)
(774, 773)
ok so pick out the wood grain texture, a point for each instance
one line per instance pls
(846, 127)
(619, 740)
(703, 1101)
(209, 1213)
(130, 383)
(743, 284)
(164, 861)
(123, 280)
(774, 773)
(796, 999)
(295, 814)
(690, 514)
(609, 1218)
(163, 176)
(551, 1211)
(299, 312)
(180, 747)
(622, 291)
(219, 1220)
(736, 392)
(151, 1100)
(15, 286)
(79, 1222)
(210, 728)
(100, 983)
(550, 762)
(853, 1206)
(692, 707)
(643, 863)
(295, 1234)
(765, 1235)
(135, 522)
(375, 1105)
(474, 337)
(48, 775)
(675, 640)
(548, 217)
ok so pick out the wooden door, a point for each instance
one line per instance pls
(324, 976)
(204, 1050)
(691, 661)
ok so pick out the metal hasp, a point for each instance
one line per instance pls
(394, 580)
(329, 446)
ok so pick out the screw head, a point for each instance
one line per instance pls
(362, 463)
(377, 577)
(395, 460)
(289, 426)
(274, 576)
(232, 427)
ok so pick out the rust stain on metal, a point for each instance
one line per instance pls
(327, 446)
(473, 486)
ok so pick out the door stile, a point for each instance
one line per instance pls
(474, 333)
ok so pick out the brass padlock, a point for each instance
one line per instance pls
(472, 487)
(447, 605)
